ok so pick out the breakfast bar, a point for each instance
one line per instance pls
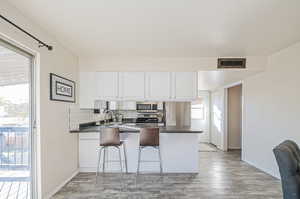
(178, 145)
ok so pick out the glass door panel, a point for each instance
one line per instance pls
(15, 123)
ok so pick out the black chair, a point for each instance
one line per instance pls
(288, 159)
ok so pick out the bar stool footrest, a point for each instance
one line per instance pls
(149, 161)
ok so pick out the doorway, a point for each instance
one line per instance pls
(234, 117)
(16, 119)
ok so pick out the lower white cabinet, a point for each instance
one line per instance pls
(88, 154)
(88, 144)
(174, 149)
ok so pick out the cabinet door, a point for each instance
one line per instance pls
(132, 85)
(88, 144)
(107, 85)
(184, 85)
(87, 90)
(158, 85)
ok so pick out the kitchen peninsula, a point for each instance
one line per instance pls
(122, 95)
(179, 149)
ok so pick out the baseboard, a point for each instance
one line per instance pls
(49, 195)
(262, 169)
(234, 148)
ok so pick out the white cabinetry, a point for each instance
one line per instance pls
(88, 144)
(132, 85)
(87, 90)
(174, 160)
(107, 85)
(158, 85)
(184, 85)
(136, 86)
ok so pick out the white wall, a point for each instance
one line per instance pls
(58, 157)
(234, 114)
(272, 109)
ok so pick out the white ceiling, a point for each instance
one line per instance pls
(168, 28)
(211, 80)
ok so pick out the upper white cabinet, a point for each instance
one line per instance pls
(184, 85)
(87, 90)
(136, 86)
(107, 84)
(158, 85)
(132, 85)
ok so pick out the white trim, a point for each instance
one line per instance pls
(34, 57)
(261, 169)
(33, 134)
(225, 139)
(233, 84)
(243, 118)
(234, 148)
(18, 44)
(56, 189)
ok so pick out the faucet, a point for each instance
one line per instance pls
(108, 115)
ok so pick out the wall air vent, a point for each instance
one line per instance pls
(231, 63)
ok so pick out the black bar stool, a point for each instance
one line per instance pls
(110, 137)
(149, 137)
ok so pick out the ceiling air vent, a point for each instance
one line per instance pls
(231, 63)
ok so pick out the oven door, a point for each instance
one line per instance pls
(154, 107)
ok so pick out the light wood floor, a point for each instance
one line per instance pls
(14, 184)
(221, 176)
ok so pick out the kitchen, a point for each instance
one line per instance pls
(131, 101)
(74, 79)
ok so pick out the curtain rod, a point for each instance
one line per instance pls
(41, 44)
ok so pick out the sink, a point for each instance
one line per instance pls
(130, 124)
(122, 125)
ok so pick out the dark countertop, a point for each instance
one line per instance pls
(134, 128)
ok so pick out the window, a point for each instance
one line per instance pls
(198, 110)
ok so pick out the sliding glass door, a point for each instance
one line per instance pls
(16, 119)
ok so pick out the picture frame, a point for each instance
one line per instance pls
(62, 89)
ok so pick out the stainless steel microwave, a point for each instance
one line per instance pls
(146, 107)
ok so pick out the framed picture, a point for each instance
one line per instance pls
(61, 89)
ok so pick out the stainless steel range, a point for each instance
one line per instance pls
(147, 118)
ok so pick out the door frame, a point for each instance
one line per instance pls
(226, 135)
(34, 57)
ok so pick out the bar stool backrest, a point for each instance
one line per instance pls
(110, 137)
(149, 137)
